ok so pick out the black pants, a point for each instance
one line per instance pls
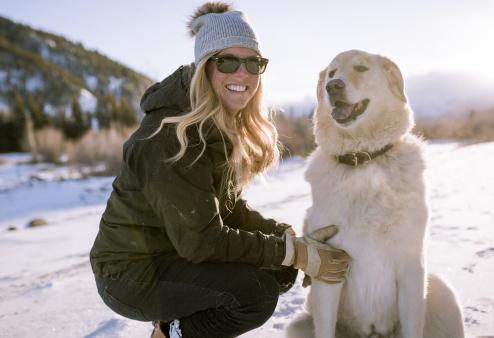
(211, 300)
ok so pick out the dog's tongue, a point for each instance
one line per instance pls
(342, 113)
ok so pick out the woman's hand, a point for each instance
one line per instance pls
(317, 259)
(282, 228)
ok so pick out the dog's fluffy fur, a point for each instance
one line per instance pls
(380, 209)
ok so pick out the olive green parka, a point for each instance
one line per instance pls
(180, 209)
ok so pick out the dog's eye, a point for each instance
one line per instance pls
(331, 73)
(360, 68)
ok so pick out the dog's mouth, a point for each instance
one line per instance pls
(344, 112)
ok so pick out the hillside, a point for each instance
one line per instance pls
(52, 74)
(438, 94)
(37, 62)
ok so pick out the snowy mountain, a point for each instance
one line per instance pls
(439, 93)
(54, 70)
(430, 95)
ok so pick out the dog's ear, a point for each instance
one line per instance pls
(321, 86)
(394, 78)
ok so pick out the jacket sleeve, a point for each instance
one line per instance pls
(249, 219)
(182, 195)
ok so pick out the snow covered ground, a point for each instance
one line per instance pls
(46, 284)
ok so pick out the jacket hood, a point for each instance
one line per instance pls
(172, 93)
(171, 96)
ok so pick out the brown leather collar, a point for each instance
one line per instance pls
(356, 159)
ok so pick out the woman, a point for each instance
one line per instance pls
(176, 244)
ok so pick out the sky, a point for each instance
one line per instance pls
(298, 37)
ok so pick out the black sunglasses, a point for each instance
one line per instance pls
(230, 64)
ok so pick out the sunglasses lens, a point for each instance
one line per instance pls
(227, 64)
(230, 64)
(255, 66)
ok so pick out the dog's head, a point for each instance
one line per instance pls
(361, 96)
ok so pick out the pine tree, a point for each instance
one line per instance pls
(38, 116)
(127, 116)
(77, 125)
(59, 120)
(103, 112)
(112, 108)
(18, 122)
(13, 125)
(77, 113)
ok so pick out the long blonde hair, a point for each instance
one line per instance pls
(253, 137)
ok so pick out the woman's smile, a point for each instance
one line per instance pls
(234, 90)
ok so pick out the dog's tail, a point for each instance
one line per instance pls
(444, 318)
(301, 327)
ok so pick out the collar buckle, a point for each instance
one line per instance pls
(354, 159)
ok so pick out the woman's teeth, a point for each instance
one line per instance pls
(236, 88)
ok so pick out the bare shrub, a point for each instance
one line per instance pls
(475, 126)
(100, 147)
(49, 143)
(295, 135)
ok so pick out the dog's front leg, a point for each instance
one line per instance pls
(411, 298)
(324, 301)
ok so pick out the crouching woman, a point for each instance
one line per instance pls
(177, 245)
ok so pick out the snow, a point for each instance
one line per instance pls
(46, 283)
(15, 78)
(49, 109)
(115, 86)
(34, 83)
(91, 81)
(51, 43)
(87, 101)
(3, 80)
(45, 51)
(67, 108)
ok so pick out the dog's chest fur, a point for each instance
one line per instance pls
(369, 204)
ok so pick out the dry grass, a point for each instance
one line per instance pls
(100, 147)
(476, 127)
(95, 148)
(295, 135)
(49, 143)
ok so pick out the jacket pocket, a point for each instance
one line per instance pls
(122, 308)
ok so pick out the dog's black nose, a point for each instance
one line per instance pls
(335, 85)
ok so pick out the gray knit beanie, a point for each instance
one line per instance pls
(216, 26)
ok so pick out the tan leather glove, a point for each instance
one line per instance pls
(290, 232)
(317, 259)
(282, 228)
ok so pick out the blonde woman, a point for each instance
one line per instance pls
(177, 245)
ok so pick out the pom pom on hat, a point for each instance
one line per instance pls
(207, 8)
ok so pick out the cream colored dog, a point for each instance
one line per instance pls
(367, 177)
